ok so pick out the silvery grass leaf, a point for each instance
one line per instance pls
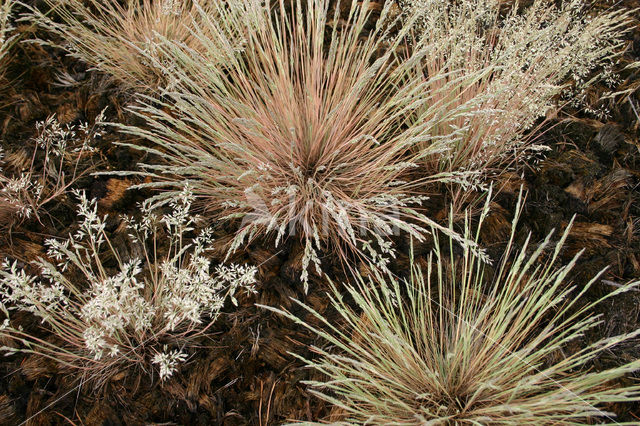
(450, 344)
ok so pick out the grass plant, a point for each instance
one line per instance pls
(60, 155)
(454, 344)
(306, 135)
(544, 55)
(144, 313)
(121, 38)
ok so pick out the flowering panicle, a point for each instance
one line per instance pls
(122, 318)
(535, 59)
(168, 362)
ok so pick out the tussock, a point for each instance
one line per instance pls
(122, 39)
(450, 344)
(306, 135)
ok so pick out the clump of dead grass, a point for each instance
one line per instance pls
(122, 39)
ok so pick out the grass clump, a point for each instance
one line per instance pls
(306, 134)
(146, 310)
(545, 55)
(453, 345)
(121, 38)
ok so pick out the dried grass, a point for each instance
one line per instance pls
(143, 315)
(59, 156)
(543, 56)
(121, 38)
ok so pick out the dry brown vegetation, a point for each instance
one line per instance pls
(122, 39)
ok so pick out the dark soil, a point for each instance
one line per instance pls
(247, 375)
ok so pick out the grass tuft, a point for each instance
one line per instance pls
(544, 56)
(452, 344)
(121, 39)
(304, 135)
